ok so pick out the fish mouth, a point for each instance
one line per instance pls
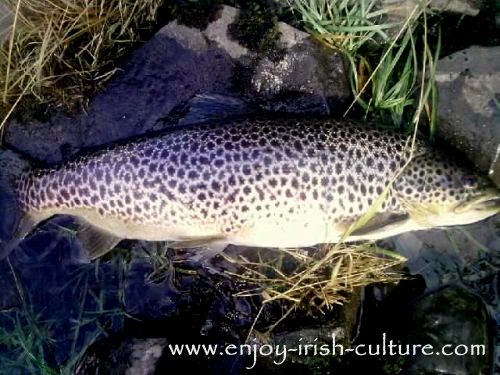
(489, 201)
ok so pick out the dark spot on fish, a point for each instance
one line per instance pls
(298, 146)
(181, 173)
(193, 174)
(64, 193)
(134, 160)
(341, 189)
(247, 170)
(99, 174)
(184, 158)
(315, 194)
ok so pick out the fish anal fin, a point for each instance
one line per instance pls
(95, 241)
(381, 223)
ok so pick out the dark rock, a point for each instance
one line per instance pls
(307, 77)
(130, 357)
(304, 341)
(178, 63)
(446, 319)
(399, 10)
(469, 105)
(449, 316)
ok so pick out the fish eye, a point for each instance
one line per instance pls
(469, 181)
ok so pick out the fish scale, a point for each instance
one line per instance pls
(255, 182)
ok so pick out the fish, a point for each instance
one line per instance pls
(253, 181)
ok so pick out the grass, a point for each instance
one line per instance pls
(28, 341)
(346, 25)
(318, 281)
(384, 61)
(63, 56)
(25, 338)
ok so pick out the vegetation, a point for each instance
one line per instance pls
(317, 280)
(28, 340)
(62, 56)
(384, 60)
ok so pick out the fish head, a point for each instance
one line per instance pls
(437, 191)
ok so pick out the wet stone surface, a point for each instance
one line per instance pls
(449, 315)
(469, 109)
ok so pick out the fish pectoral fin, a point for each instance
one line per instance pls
(94, 241)
(381, 223)
(187, 243)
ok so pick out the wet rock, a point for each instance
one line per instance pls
(445, 319)
(130, 357)
(399, 10)
(441, 256)
(304, 341)
(178, 63)
(307, 78)
(469, 105)
(449, 316)
(218, 32)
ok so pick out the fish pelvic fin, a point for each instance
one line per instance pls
(15, 223)
(95, 242)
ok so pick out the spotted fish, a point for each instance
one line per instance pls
(254, 182)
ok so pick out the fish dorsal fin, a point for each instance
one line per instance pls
(95, 241)
(187, 243)
(380, 223)
(210, 107)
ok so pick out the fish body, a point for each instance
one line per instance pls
(254, 182)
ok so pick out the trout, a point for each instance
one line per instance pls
(253, 182)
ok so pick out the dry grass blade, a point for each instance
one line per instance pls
(298, 279)
(65, 55)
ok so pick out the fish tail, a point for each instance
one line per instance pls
(13, 220)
